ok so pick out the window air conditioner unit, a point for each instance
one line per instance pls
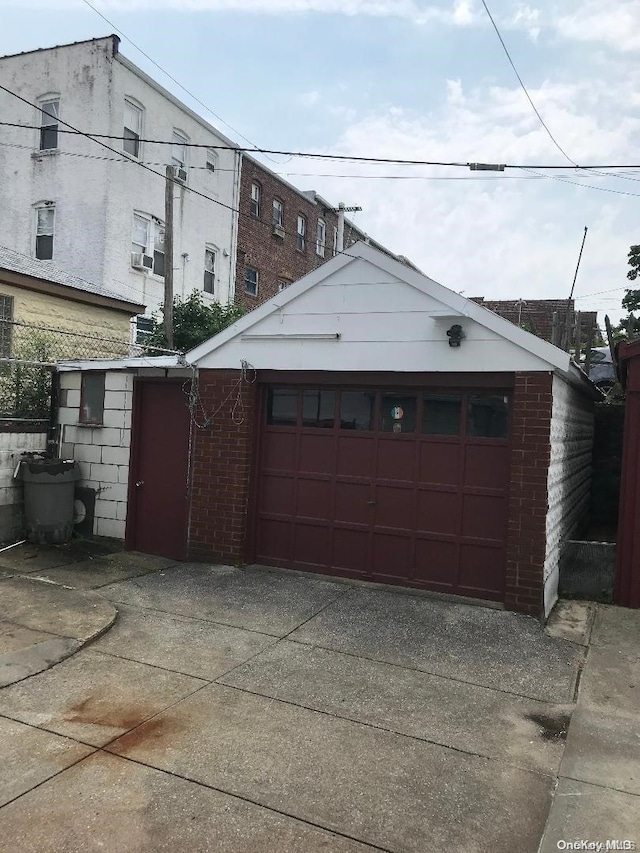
(278, 231)
(140, 261)
(180, 175)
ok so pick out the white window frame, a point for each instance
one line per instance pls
(179, 140)
(209, 249)
(301, 233)
(211, 161)
(321, 237)
(45, 120)
(134, 105)
(335, 241)
(257, 280)
(39, 208)
(153, 226)
(277, 216)
(256, 199)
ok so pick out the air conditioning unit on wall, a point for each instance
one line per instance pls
(140, 261)
(278, 231)
(180, 175)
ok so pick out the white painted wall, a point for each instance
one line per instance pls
(385, 324)
(12, 446)
(102, 453)
(569, 477)
(95, 198)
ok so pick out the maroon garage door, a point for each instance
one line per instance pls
(406, 487)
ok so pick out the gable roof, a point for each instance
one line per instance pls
(43, 271)
(452, 307)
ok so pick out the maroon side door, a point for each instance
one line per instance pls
(158, 475)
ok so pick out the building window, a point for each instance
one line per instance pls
(92, 399)
(132, 129)
(321, 237)
(212, 160)
(49, 124)
(301, 234)
(278, 212)
(256, 192)
(251, 281)
(147, 244)
(6, 316)
(209, 270)
(178, 149)
(45, 222)
(335, 241)
(144, 327)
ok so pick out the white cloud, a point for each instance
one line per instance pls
(497, 236)
(614, 24)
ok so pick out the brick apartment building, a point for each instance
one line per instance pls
(283, 233)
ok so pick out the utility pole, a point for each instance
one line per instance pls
(341, 210)
(168, 258)
(566, 337)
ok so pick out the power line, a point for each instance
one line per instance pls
(170, 76)
(585, 186)
(96, 137)
(524, 88)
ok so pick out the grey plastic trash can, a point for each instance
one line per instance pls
(49, 486)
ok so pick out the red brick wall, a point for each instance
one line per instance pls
(278, 259)
(222, 459)
(530, 456)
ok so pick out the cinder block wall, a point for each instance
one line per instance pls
(102, 452)
(13, 444)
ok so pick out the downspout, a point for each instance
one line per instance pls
(237, 171)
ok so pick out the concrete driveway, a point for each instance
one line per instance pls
(249, 710)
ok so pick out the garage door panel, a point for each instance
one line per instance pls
(482, 569)
(439, 462)
(352, 502)
(351, 496)
(312, 545)
(274, 540)
(277, 494)
(279, 451)
(391, 556)
(435, 562)
(351, 550)
(394, 507)
(314, 499)
(484, 517)
(437, 512)
(486, 465)
(396, 459)
(355, 455)
(316, 452)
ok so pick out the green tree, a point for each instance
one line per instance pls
(194, 322)
(629, 326)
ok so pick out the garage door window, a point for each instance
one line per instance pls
(441, 414)
(318, 409)
(398, 413)
(488, 416)
(282, 408)
(356, 409)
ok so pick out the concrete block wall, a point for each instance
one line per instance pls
(12, 446)
(102, 452)
(569, 476)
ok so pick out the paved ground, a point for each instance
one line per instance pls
(246, 710)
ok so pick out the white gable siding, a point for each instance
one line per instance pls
(384, 323)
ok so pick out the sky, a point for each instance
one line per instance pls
(420, 80)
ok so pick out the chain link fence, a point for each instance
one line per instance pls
(29, 355)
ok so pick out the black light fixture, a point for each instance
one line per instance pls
(456, 335)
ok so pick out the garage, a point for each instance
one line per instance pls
(402, 486)
(370, 423)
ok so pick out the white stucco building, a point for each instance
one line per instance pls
(98, 214)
